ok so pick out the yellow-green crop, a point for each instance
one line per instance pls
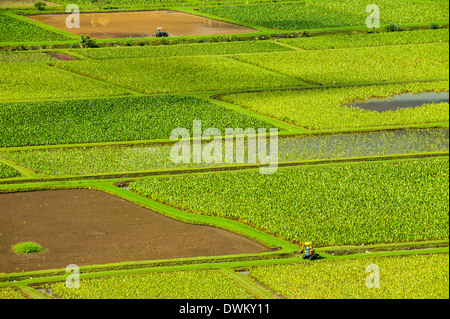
(406, 277)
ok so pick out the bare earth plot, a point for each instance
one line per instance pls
(87, 227)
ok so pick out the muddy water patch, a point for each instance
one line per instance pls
(142, 24)
(405, 100)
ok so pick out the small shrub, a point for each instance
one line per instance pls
(87, 42)
(433, 26)
(392, 27)
(40, 5)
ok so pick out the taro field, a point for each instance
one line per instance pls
(197, 167)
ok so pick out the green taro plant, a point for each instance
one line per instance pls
(336, 41)
(196, 284)
(329, 108)
(358, 65)
(400, 277)
(365, 203)
(115, 119)
(7, 171)
(16, 30)
(11, 293)
(182, 50)
(34, 81)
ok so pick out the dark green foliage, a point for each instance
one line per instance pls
(116, 119)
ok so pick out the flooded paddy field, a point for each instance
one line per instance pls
(109, 159)
(363, 144)
(140, 24)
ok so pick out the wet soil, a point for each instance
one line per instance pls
(140, 24)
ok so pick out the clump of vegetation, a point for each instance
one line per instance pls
(11, 293)
(40, 5)
(87, 42)
(7, 171)
(28, 247)
(433, 26)
(392, 27)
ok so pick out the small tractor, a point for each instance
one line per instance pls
(161, 33)
(308, 249)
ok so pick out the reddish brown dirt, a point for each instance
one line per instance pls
(61, 56)
(142, 24)
(87, 227)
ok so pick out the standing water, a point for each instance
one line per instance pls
(402, 101)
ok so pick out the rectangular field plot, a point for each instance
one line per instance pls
(331, 14)
(114, 119)
(114, 159)
(356, 65)
(16, 30)
(196, 284)
(328, 205)
(179, 74)
(181, 50)
(28, 81)
(401, 277)
(141, 24)
(395, 11)
(330, 108)
(26, 57)
(336, 41)
(288, 16)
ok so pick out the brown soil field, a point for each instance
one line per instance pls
(141, 24)
(89, 227)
